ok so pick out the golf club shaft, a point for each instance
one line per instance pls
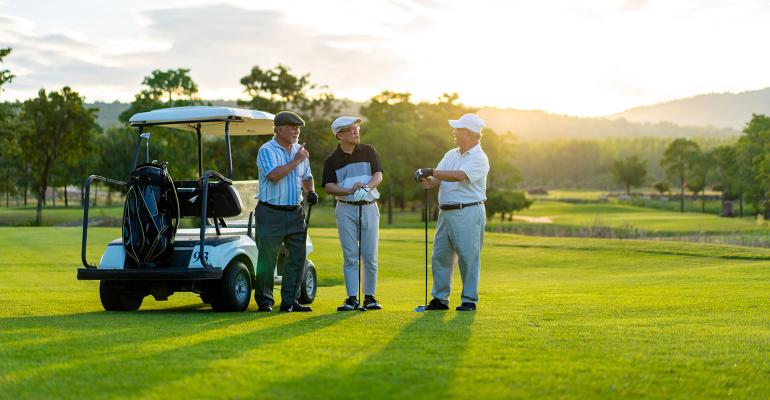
(426, 245)
(301, 274)
(360, 300)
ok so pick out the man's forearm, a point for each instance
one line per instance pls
(281, 171)
(375, 181)
(308, 185)
(334, 189)
(449, 175)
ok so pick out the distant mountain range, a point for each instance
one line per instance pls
(709, 115)
(728, 110)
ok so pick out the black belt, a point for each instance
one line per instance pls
(459, 206)
(357, 203)
(276, 207)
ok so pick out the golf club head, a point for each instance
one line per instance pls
(419, 309)
(361, 308)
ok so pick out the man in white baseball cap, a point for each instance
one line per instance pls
(352, 173)
(462, 179)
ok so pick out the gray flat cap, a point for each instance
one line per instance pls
(288, 118)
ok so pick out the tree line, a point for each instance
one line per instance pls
(52, 140)
(739, 171)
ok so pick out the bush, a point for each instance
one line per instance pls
(506, 202)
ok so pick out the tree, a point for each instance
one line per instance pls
(629, 172)
(391, 127)
(662, 187)
(169, 88)
(278, 89)
(505, 202)
(750, 153)
(55, 125)
(5, 75)
(701, 165)
(676, 161)
(724, 172)
(9, 154)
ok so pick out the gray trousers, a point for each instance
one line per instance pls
(459, 237)
(274, 227)
(347, 227)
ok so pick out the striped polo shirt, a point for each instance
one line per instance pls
(348, 169)
(288, 190)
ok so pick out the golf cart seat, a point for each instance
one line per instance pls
(223, 199)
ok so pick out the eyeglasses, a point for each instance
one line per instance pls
(350, 129)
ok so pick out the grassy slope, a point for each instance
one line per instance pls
(558, 318)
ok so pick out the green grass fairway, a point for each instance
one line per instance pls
(25, 216)
(647, 219)
(558, 318)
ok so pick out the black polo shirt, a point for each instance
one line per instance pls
(348, 169)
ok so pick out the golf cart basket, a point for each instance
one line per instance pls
(151, 214)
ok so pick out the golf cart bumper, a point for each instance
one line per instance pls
(155, 274)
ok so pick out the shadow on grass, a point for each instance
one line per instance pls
(421, 361)
(132, 351)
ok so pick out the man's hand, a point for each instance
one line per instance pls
(312, 198)
(301, 155)
(422, 173)
(358, 185)
(428, 183)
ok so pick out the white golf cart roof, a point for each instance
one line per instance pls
(211, 120)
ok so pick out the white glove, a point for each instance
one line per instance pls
(360, 194)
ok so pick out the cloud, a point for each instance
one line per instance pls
(219, 43)
(223, 42)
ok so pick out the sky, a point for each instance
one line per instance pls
(584, 58)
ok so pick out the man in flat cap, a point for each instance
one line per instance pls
(462, 179)
(352, 173)
(284, 172)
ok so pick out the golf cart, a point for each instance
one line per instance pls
(216, 260)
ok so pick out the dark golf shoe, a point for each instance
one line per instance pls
(265, 308)
(296, 307)
(466, 307)
(350, 304)
(370, 303)
(436, 304)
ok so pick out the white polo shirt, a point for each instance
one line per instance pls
(475, 164)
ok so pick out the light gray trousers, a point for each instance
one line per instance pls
(459, 236)
(347, 227)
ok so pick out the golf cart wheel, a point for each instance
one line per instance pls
(206, 297)
(232, 292)
(309, 284)
(115, 297)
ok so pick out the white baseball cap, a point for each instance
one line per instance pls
(342, 123)
(468, 121)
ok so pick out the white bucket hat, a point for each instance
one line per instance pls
(468, 121)
(342, 123)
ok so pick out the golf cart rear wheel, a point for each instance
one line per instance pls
(232, 292)
(309, 284)
(115, 297)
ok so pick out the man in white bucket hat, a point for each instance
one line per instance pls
(352, 173)
(462, 179)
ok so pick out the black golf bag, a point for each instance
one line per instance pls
(151, 215)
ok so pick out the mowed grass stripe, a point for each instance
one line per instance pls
(558, 317)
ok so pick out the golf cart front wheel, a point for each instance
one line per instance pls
(232, 292)
(309, 284)
(115, 297)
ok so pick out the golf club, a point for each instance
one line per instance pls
(360, 299)
(302, 268)
(422, 307)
